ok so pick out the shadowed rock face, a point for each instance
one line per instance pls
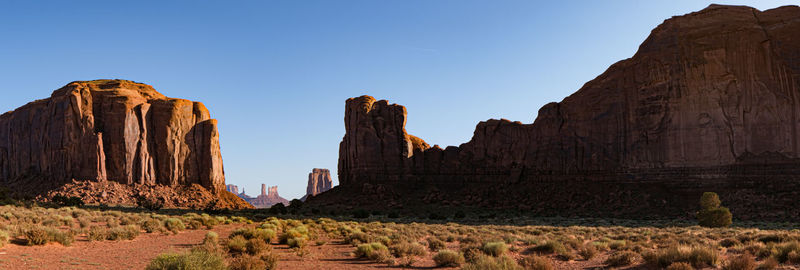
(709, 102)
(111, 130)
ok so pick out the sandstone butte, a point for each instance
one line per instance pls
(112, 131)
(319, 181)
(709, 102)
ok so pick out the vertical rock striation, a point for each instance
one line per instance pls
(112, 130)
(319, 180)
(710, 101)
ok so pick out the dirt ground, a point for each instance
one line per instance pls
(137, 253)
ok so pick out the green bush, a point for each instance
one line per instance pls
(709, 200)
(549, 247)
(152, 225)
(407, 249)
(194, 260)
(67, 201)
(127, 232)
(237, 244)
(495, 248)
(448, 258)
(174, 225)
(366, 250)
(711, 214)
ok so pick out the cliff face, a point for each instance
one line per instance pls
(710, 96)
(319, 180)
(113, 130)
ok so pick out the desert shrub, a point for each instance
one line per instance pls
(587, 251)
(152, 204)
(711, 214)
(195, 260)
(64, 238)
(782, 252)
(448, 258)
(435, 244)
(617, 244)
(698, 256)
(484, 262)
(265, 234)
(37, 235)
(729, 242)
(256, 246)
(211, 237)
(549, 247)
(237, 244)
(366, 250)
(495, 248)
(127, 232)
(97, 233)
(742, 262)
(174, 225)
(194, 224)
(4, 237)
(249, 262)
(621, 258)
(407, 249)
(536, 263)
(296, 242)
(768, 264)
(393, 215)
(152, 225)
(357, 238)
(680, 266)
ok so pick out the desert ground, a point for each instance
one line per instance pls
(92, 237)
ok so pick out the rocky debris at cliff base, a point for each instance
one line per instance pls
(113, 193)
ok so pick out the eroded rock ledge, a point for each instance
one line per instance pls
(110, 130)
(708, 103)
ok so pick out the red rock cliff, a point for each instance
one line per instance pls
(111, 130)
(319, 180)
(709, 95)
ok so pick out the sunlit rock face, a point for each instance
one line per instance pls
(112, 130)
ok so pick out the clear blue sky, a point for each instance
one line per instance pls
(276, 73)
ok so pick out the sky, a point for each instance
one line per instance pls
(276, 74)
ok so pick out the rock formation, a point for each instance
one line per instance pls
(232, 188)
(319, 180)
(111, 130)
(710, 102)
(267, 198)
